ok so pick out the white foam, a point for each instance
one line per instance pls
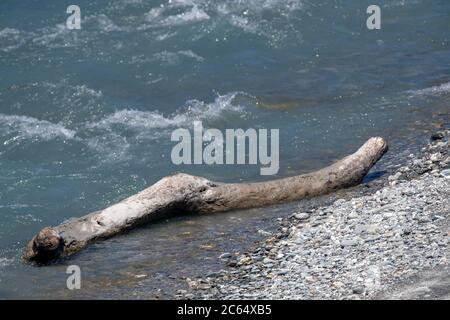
(400, 3)
(9, 32)
(174, 57)
(111, 147)
(27, 218)
(113, 136)
(105, 24)
(12, 39)
(249, 16)
(23, 127)
(194, 110)
(432, 91)
(154, 13)
(49, 36)
(191, 54)
(194, 15)
(59, 36)
(135, 119)
(76, 90)
(157, 16)
(4, 262)
(107, 136)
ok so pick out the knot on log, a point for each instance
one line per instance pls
(46, 246)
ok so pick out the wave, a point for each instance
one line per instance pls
(50, 36)
(106, 24)
(168, 57)
(162, 17)
(248, 16)
(192, 111)
(4, 33)
(174, 57)
(75, 90)
(432, 91)
(58, 36)
(115, 134)
(193, 15)
(401, 3)
(12, 39)
(4, 262)
(23, 127)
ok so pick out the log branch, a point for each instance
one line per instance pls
(183, 193)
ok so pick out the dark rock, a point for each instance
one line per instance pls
(358, 290)
(232, 263)
(437, 136)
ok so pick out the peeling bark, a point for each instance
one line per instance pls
(190, 194)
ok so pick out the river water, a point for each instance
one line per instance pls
(86, 116)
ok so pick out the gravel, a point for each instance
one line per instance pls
(358, 248)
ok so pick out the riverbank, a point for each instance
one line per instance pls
(390, 242)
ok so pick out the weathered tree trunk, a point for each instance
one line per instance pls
(186, 193)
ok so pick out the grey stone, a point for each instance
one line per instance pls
(349, 242)
(301, 216)
(397, 231)
(225, 255)
(446, 173)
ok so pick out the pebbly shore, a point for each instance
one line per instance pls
(390, 242)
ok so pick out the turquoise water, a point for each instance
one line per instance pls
(86, 115)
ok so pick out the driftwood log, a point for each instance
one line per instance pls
(183, 193)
